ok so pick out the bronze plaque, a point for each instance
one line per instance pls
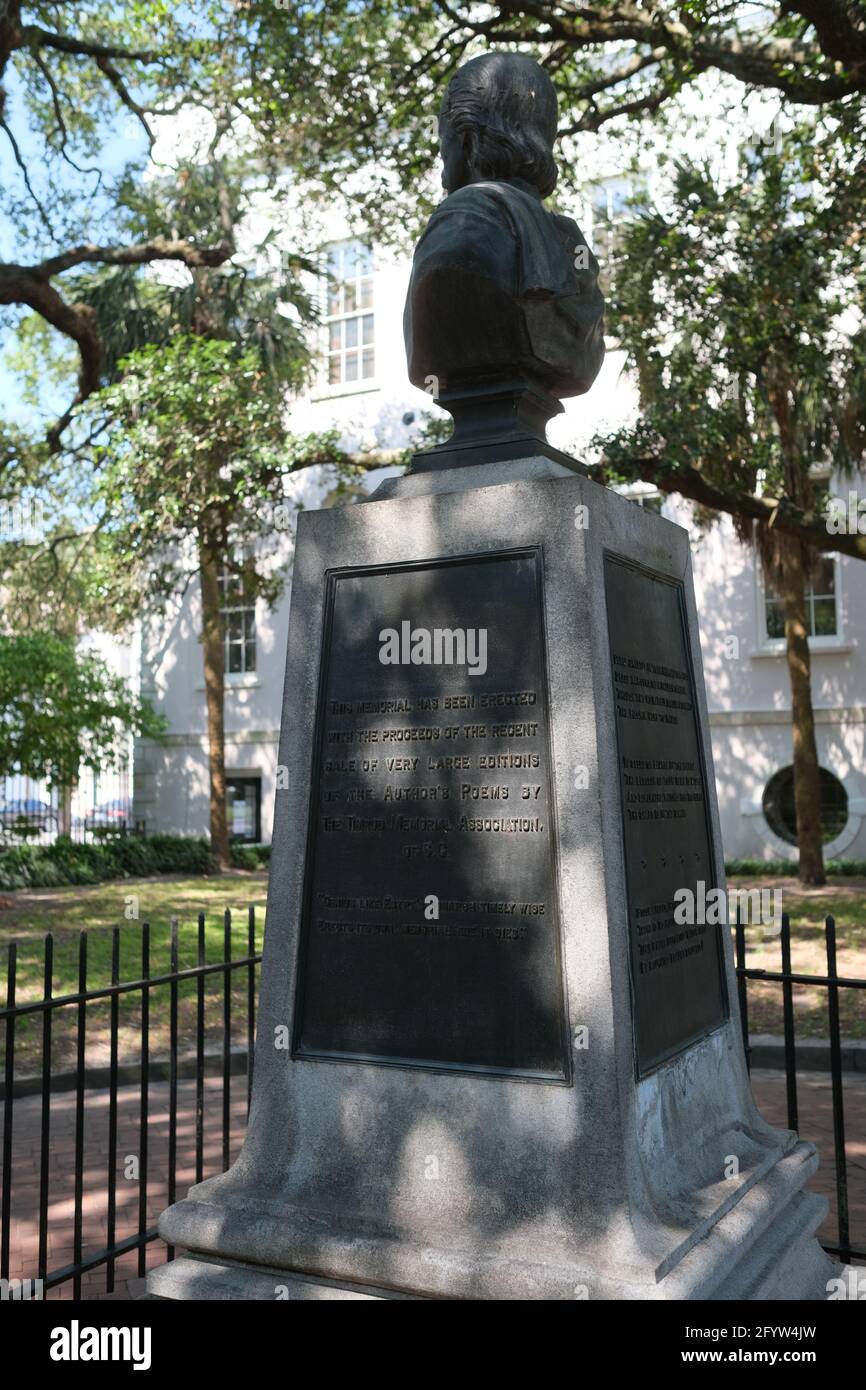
(430, 935)
(677, 972)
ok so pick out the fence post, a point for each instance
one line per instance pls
(199, 1058)
(144, 1098)
(81, 1056)
(838, 1095)
(227, 1035)
(172, 1082)
(788, 1013)
(45, 1128)
(251, 1001)
(6, 1206)
(114, 1007)
(741, 985)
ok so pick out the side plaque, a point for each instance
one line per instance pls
(677, 975)
(429, 935)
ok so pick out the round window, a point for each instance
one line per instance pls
(778, 805)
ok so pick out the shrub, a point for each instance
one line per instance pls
(244, 857)
(847, 868)
(176, 854)
(64, 862)
(777, 868)
(250, 856)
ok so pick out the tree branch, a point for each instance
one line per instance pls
(840, 38)
(157, 249)
(594, 117)
(776, 512)
(105, 65)
(46, 220)
(58, 115)
(807, 72)
(31, 285)
(586, 90)
(34, 36)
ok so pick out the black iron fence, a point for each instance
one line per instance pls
(105, 1081)
(787, 978)
(98, 808)
(84, 1082)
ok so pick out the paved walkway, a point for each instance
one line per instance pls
(816, 1123)
(25, 1169)
(815, 1105)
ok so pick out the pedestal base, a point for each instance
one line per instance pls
(762, 1249)
(574, 1118)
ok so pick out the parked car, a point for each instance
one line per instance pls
(110, 814)
(27, 817)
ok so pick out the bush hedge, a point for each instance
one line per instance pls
(64, 862)
(250, 856)
(136, 856)
(780, 868)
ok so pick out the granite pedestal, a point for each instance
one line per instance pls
(488, 1064)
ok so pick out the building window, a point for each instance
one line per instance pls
(780, 815)
(349, 317)
(244, 808)
(643, 496)
(239, 622)
(821, 618)
(650, 501)
(610, 201)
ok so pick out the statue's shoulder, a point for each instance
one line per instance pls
(483, 197)
(564, 223)
(523, 211)
(486, 209)
(471, 226)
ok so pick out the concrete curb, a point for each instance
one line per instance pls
(813, 1054)
(128, 1073)
(767, 1050)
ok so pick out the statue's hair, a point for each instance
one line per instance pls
(503, 107)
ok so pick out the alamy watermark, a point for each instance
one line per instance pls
(438, 646)
(21, 1290)
(77, 1343)
(714, 907)
(847, 518)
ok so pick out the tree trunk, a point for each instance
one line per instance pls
(64, 811)
(214, 684)
(807, 782)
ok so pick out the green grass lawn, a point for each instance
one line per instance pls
(26, 916)
(845, 900)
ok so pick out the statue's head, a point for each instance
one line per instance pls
(498, 121)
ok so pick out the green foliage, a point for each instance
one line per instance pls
(195, 445)
(267, 310)
(250, 856)
(740, 308)
(154, 333)
(341, 86)
(132, 856)
(38, 359)
(69, 110)
(62, 709)
(780, 868)
(66, 580)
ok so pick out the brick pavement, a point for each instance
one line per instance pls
(25, 1169)
(815, 1123)
(815, 1104)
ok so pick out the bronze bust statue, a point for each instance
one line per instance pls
(504, 314)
